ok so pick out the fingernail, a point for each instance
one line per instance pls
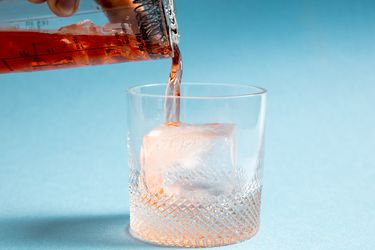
(66, 7)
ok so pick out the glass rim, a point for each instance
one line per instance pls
(257, 91)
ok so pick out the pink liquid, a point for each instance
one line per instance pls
(23, 51)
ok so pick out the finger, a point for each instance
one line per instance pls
(63, 8)
(37, 1)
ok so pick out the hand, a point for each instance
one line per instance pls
(117, 11)
(61, 8)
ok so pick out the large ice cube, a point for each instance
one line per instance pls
(189, 160)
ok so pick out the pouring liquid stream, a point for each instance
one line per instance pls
(173, 91)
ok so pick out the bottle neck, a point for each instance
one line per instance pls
(171, 21)
(153, 20)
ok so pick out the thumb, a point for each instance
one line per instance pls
(63, 8)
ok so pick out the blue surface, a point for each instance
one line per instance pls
(63, 166)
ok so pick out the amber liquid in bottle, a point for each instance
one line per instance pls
(23, 51)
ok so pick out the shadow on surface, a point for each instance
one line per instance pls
(66, 231)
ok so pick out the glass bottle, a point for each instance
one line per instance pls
(32, 38)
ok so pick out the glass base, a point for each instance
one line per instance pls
(197, 220)
(200, 242)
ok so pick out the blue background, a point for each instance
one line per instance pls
(63, 163)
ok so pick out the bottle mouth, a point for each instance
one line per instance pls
(157, 22)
